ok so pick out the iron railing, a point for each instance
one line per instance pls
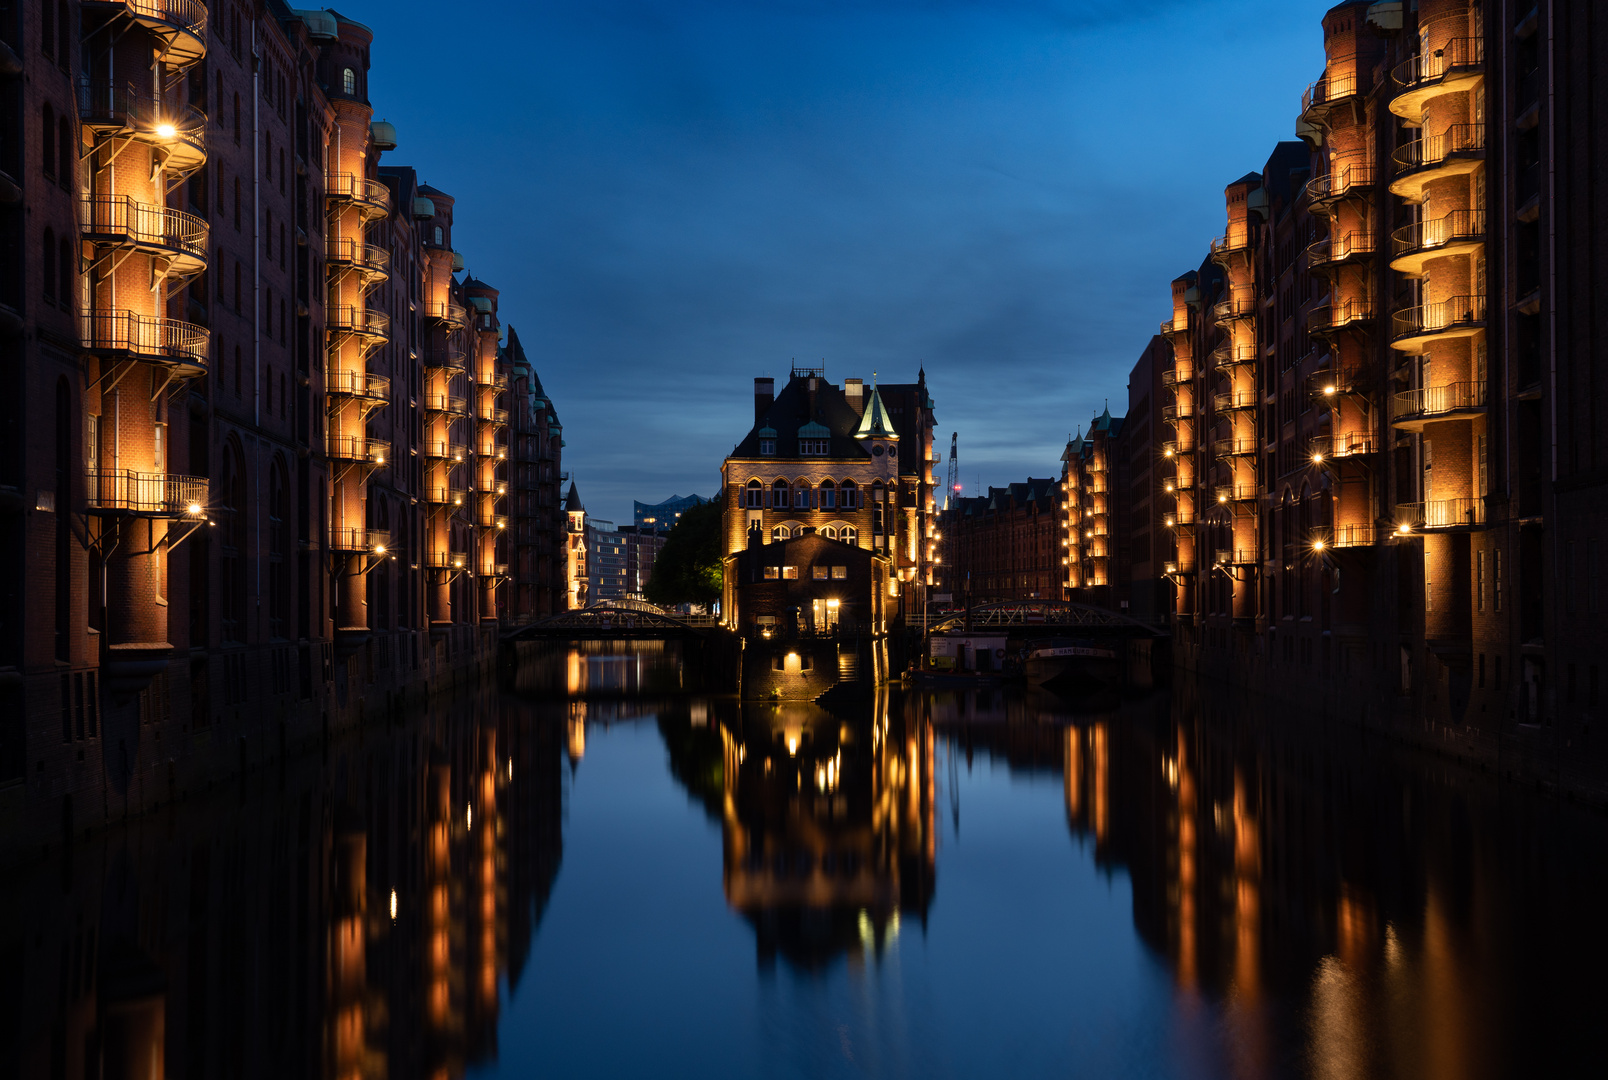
(370, 196)
(146, 225)
(1231, 400)
(446, 403)
(147, 494)
(347, 538)
(1421, 236)
(1346, 444)
(359, 384)
(350, 319)
(1342, 180)
(1432, 150)
(1458, 54)
(1331, 88)
(1435, 400)
(153, 339)
(1441, 513)
(1333, 317)
(1338, 249)
(1452, 315)
(347, 251)
(357, 448)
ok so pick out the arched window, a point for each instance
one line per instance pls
(64, 30)
(349, 81)
(237, 143)
(849, 534)
(50, 265)
(849, 495)
(779, 533)
(829, 532)
(779, 500)
(754, 495)
(47, 157)
(801, 495)
(828, 495)
(64, 147)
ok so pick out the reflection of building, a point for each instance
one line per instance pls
(317, 926)
(829, 831)
(662, 517)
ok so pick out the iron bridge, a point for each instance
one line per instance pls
(1048, 616)
(614, 619)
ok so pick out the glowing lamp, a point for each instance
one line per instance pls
(166, 131)
(1317, 459)
(194, 509)
(1329, 390)
(1317, 545)
(379, 549)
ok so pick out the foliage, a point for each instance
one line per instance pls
(687, 570)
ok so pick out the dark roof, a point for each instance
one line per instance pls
(572, 501)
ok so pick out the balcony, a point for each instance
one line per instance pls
(176, 133)
(1234, 400)
(450, 404)
(1348, 444)
(344, 538)
(1360, 534)
(180, 25)
(123, 335)
(1333, 89)
(1410, 410)
(1414, 329)
(1456, 152)
(445, 560)
(453, 314)
(447, 496)
(371, 198)
(446, 450)
(1240, 491)
(1236, 557)
(1345, 181)
(1224, 248)
(343, 254)
(142, 494)
(446, 357)
(1234, 307)
(498, 380)
(120, 221)
(1439, 514)
(1453, 68)
(494, 570)
(1339, 250)
(1235, 446)
(488, 520)
(1181, 410)
(1182, 372)
(1171, 449)
(1462, 232)
(1332, 318)
(1229, 355)
(493, 415)
(1097, 464)
(373, 390)
(374, 327)
(1173, 327)
(357, 448)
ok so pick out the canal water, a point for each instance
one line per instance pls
(593, 873)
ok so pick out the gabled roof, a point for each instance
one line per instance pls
(790, 414)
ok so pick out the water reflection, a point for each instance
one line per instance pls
(1299, 900)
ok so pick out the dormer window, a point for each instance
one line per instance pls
(349, 81)
(814, 447)
(767, 447)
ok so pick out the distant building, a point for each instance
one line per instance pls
(576, 582)
(1005, 543)
(662, 517)
(620, 560)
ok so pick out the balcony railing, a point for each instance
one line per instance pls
(1433, 150)
(1236, 557)
(357, 448)
(1232, 400)
(445, 312)
(446, 449)
(187, 17)
(1241, 491)
(1459, 55)
(446, 560)
(489, 520)
(1225, 246)
(446, 403)
(1181, 410)
(344, 251)
(1234, 307)
(147, 226)
(146, 494)
(493, 415)
(371, 197)
(156, 340)
(1360, 534)
(1431, 401)
(359, 384)
(1171, 448)
(1457, 316)
(1339, 249)
(1330, 89)
(494, 570)
(1333, 317)
(350, 319)
(498, 381)
(178, 133)
(447, 496)
(1235, 446)
(1343, 180)
(446, 357)
(1454, 231)
(1347, 444)
(346, 538)
(1182, 372)
(1441, 514)
(1228, 355)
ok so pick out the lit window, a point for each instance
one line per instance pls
(772, 573)
(789, 573)
(755, 494)
(779, 533)
(849, 534)
(829, 532)
(801, 497)
(840, 572)
(767, 447)
(349, 81)
(819, 573)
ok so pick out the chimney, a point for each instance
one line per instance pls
(764, 394)
(854, 390)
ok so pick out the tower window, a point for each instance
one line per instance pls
(349, 81)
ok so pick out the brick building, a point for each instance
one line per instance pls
(257, 441)
(1382, 472)
(1006, 543)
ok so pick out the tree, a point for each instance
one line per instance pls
(688, 569)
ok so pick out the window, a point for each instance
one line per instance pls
(779, 498)
(50, 265)
(849, 534)
(840, 573)
(767, 447)
(801, 497)
(1479, 586)
(67, 268)
(819, 573)
(47, 157)
(754, 495)
(829, 532)
(814, 447)
(438, 235)
(789, 573)
(828, 495)
(779, 533)
(850, 496)
(64, 146)
(349, 82)
(1496, 590)
(772, 573)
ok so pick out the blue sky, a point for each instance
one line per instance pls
(676, 196)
